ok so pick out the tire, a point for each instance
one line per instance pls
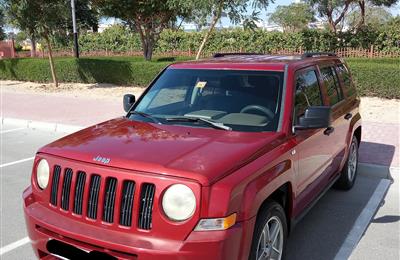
(272, 216)
(349, 172)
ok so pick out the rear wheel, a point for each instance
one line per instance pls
(349, 171)
(270, 233)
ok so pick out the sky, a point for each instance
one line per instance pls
(395, 10)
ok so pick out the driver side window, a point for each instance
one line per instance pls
(307, 92)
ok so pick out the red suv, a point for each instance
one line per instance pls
(218, 159)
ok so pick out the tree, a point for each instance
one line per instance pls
(293, 17)
(363, 5)
(333, 10)
(148, 17)
(39, 18)
(2, 22)
(236, 11)
(374, 17)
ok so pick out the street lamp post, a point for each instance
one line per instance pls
(76, 47)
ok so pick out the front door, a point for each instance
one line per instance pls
(313, 148)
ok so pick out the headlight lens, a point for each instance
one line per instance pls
(42, 174)
(179, 202)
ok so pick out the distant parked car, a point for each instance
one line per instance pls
(218, 159)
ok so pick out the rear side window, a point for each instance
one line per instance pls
(349, 87)
(331, 82)
(307, 92)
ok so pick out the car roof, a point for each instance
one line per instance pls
(255, 61)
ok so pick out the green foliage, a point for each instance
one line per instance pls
(293, 17)
(373, 77)
(149, 18)
(120, 38)
(375, 17)
(2, 21)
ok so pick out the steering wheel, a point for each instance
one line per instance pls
(262, 109)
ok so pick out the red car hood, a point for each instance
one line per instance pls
(202, 154)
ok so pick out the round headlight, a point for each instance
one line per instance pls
(42, 174)
(179, 202)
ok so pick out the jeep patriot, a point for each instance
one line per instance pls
(218, 159)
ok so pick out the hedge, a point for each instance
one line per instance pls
(120, 38)
(373, 77)
(132, 71)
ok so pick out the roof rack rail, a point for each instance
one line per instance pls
(315, 54)
(218, 55)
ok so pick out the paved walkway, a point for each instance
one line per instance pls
(380, 142)
(57, 109)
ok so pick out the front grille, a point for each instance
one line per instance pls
(102, 197)
(54, 187)
(79, 190)
(109, 200)
(94, 196)
(146, 205)
(66, 188)
(127, 203)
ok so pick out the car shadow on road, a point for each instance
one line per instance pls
(322, 232)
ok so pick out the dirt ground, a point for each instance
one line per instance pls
(372, 109)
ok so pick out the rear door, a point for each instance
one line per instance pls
(335, 98)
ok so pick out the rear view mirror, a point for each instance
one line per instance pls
(315, 117)
(129, 100)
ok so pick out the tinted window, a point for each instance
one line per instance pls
(307, 92)
(348, 84)
(243, 100)
(331, 81)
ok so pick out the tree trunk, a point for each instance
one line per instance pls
(147, 50)
(33, 47)
(214, 21)
(362, 14)
(52, 68)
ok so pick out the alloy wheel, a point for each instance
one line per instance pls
(270, 243)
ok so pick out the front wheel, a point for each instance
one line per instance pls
(349, 171)
(270, 233)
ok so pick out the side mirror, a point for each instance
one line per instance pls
(129, 100)
(315, 117)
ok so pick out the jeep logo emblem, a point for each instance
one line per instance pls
(100, 159)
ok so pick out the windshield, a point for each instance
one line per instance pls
(238, 100)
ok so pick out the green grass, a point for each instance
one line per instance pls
(373, 77)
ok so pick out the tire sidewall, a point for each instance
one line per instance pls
(271, 209)
(346, 169)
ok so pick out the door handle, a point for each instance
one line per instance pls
(348, 116)
(329, 130)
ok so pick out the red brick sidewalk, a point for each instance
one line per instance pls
(380, 142)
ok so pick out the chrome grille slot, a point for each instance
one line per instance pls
(66, 188)
(146, 206)
(54, 185)
(93, 196)
(128, 192)
(79, 190)
(109, 200)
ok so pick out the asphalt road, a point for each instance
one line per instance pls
(320, 235)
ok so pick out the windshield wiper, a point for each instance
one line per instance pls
(142, 114)
(213, 124)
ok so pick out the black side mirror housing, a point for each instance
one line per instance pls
(129, 100)
(315, 117)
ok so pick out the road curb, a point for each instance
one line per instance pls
(32, 124)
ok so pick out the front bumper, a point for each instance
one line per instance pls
(44, 224)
